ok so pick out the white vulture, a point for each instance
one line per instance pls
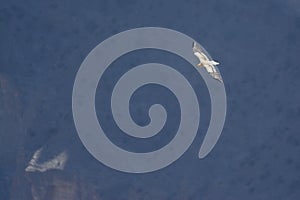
(209, 65)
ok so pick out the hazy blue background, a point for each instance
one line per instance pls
(42, 45)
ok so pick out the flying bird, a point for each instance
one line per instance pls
(205, 62)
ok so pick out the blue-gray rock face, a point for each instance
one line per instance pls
(257, 43)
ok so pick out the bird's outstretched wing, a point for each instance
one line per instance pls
(199, 53)
(196, 48)
(213, 72)
(217, 76)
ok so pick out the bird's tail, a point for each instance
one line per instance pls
(214, 62)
